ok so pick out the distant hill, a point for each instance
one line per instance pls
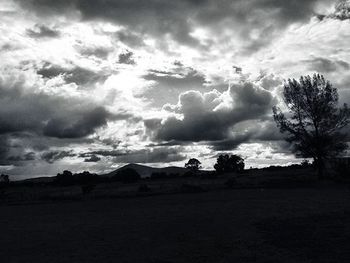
(146, 171)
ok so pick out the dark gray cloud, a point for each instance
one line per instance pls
(206, 117)
(81, 76)
(324, 65)
(231, 143)
(52, 156)
(33, 122)
(264, 130)
(92, 159)
(82, 126)
(99, 52)
(147, 155)
(126, 58)
(342, 10)
(53, 116)
(23, 148)
(42, 31)
(20, 158)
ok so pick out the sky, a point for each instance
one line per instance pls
(95, 84)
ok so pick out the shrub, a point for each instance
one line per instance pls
(67, 178)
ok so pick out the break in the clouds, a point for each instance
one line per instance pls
(91, 85)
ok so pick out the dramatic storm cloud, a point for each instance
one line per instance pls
(94, 84)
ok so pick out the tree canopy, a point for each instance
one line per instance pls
(229, 163)
(313, 122)
(193, 164)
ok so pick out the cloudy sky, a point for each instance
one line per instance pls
(94, 84)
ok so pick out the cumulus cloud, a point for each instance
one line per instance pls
(210, 116)
(33, 122)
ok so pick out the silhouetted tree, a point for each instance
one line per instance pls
(193, 164)
(314, 121)
(229, 163)
(64, 179)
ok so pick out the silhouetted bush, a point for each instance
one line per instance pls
(67, 178)
(127, 175)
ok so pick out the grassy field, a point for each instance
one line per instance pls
(309, 224)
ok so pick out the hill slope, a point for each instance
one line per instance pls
(146, 171)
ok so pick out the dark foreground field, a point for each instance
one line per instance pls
(240, 225)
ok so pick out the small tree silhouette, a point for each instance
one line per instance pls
(64, 179)
(193, 164)
(314, 121)
(229, 163)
